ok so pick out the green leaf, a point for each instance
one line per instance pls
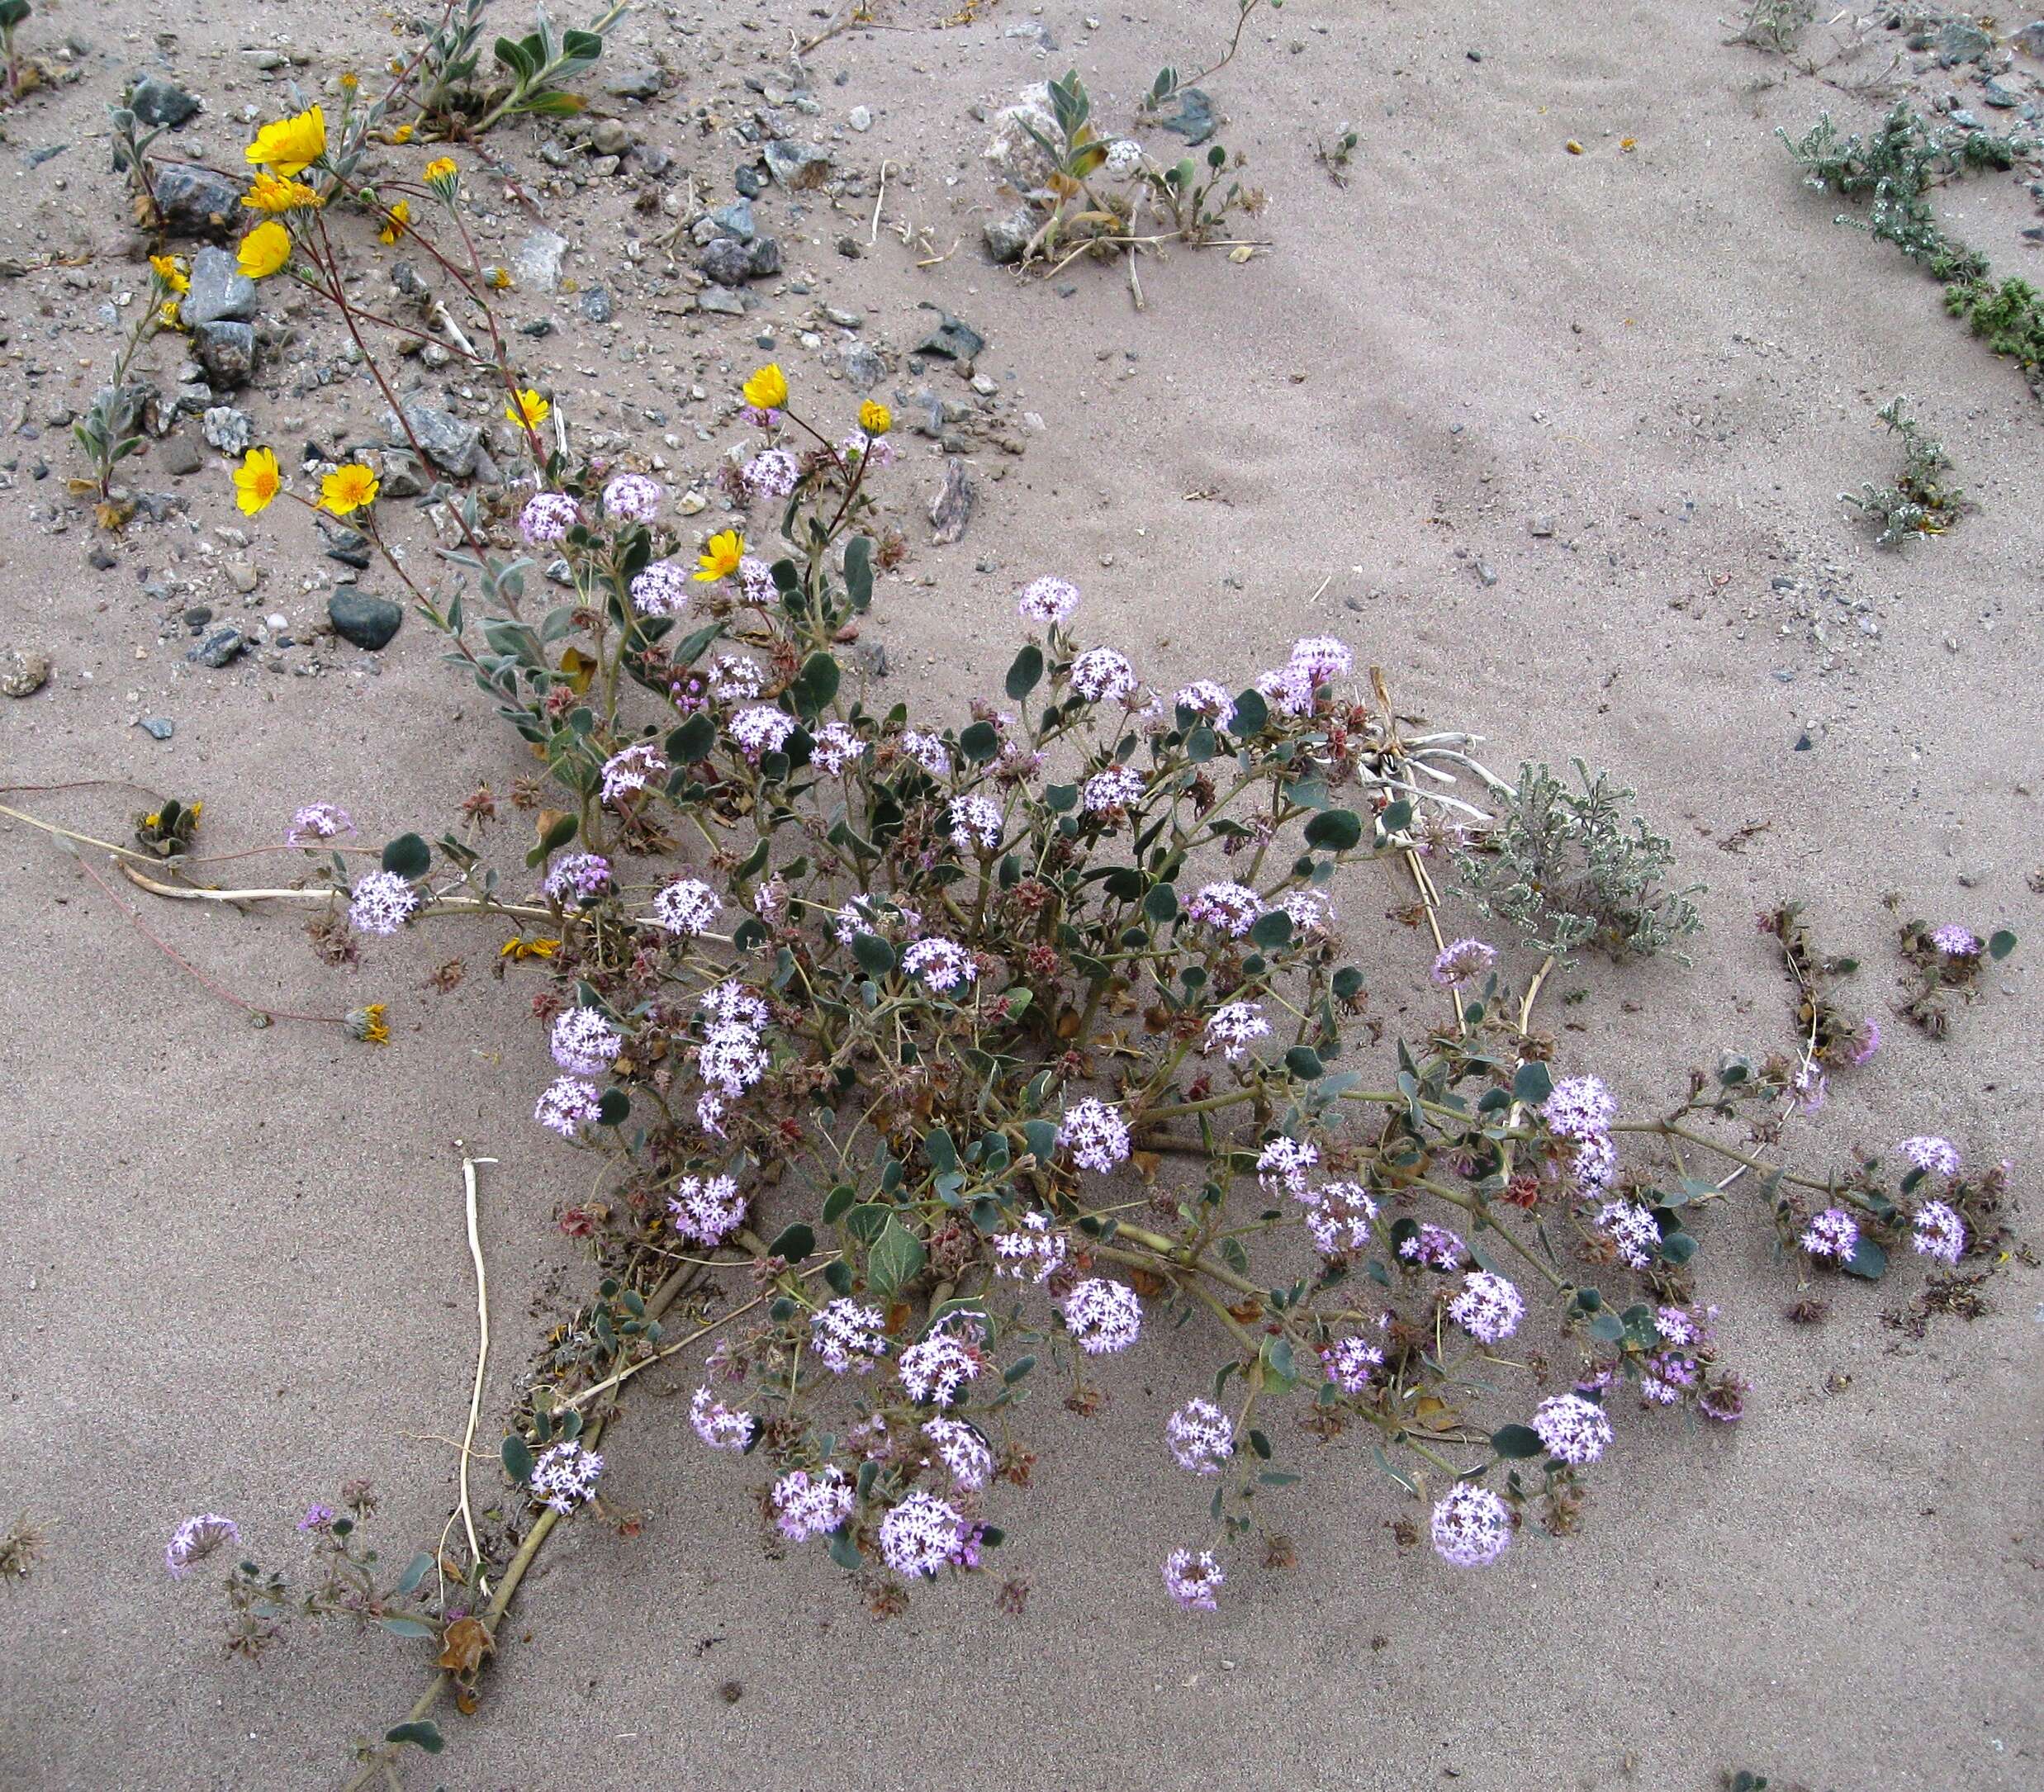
(1042, 1137)
(416, 1570)
(1516, 1442)
(845, 1553)
(980, 743)
(2000, 944)
(941, 1150)
(1280, 1373)
(514, 57)
(1161, 904)
(693, 740)
(422, 1733)
(858, 572)
(408, 855)
(896, 1258)
(614, 1107)
(1333, 830)
(1026, 673)
(518, 1459)
(1260, 1443)
(815, 686)
(1532, 1084)
(1018, 1369)
(557, 836)
(875, 956)
(1272, 930)
(793, 1242)
(838, 1203)
(1303, 1062)
(406, 1626)
(1608, 1327)
(1869, 1261)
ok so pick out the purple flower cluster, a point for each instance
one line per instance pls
(717, 1424)
(1489, 1308)
(735, 678)
(1201, 1435)
(1956, 941)
(1834, 1233)
(1115, 789)
(1228, 908)
(566, 1105)
(835, 748)
(761, 730)
(546, 517)
(1312, 913)
(687, 907)
(1580, 1107)
(313, 822)
(1938, 1232)
(1233, 1027)
(632, 498)
(381, 903)
(1294, 686)
(196, 1538)
(1103, 1317)
(1472, 1526)
(1573, 1429)
(937, 1370)
(1933, 1156)
(1206, 699)
(1350, 1363)
(632, 768)
(1100, 675)
(772, 473)
(1338, 1215)
(1282, 1165)
(1034, 1254)
(808, 1505)
(848, 1337)
(1463, 962)
(706, 1210)
(1191, 1576)
(1048, 601)
(1632, 1229)
(662, 588)
(584, 1041)
(1433, 1247)
(927, 752)
(1095, 1134)
(867, 914)
(921, 1535)
(942, 964)
(578, 877)
(565, 1476)
(975, 823)
(964, 1451)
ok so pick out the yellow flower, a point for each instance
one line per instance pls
(875, 418)
(171, 272)
(168, 315)
(720, 556)
(369, 1024)
(290, 145)
(394, 224)
(264, 250)
(517, 951)
(441, 167)
(767, 389)
(350, 81)
(257, 480)
(348, 488)
(500, 278)
(404, 133)
(268, 193)
(527, 410)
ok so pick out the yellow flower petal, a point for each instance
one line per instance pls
(767, 389)
(263, 250)
(394, 224)
(290, 145)
(348, 488)
(527, 410)
(257, 480)
(720, 556)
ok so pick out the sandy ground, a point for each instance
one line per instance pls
(233, 1259)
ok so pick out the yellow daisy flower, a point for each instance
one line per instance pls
(268, 193)
(441, 167)
(263, 250)
(257, 481)
(168, 314)
(348, 488)
(394, 224)
(169, 269)
(528, 409)
(767, 389)
(875, 418)
(720, 556)
(291, 145)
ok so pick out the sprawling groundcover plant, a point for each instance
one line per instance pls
(926, 1064)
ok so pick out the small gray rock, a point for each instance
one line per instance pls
(1961, 41)
(610, 137)
(597, 306)
(727, 262)
(451, 445)
(954, 339)
(156, 101)
(181, 456)
(369, 622)
(951, 509)
(720, 300)
(634, 85)
(23, 675)
(2030, 40)
(220, 292)
(861, 118)
(1008, 237)
(157, 727)
(228, 429)
(749, 182)
(1995, 94)
(196, 201)
(227, 352)
(655, 158)
(797, 164)
(220, 649)
(735, 221)
(864, 369)
(536, 263)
